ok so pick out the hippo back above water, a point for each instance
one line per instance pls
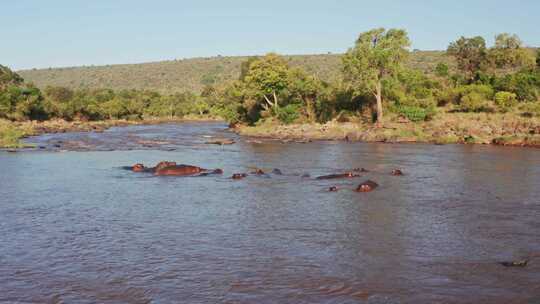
(178, 170)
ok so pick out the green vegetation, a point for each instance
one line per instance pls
(377, 75)
(375, 79)
(10, 135)
(377, 57)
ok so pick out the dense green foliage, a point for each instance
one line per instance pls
(20, 101)
(379, 70)
(377, 56)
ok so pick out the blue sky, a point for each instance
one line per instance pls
(52, 33)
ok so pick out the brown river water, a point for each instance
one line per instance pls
(76, 228)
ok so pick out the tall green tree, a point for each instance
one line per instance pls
(377, 55)
(267, 78)
(470, 54)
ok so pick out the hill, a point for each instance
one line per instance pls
(193, 74)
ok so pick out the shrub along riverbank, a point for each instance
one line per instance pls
(486, 95)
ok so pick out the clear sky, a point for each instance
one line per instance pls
(52, 33)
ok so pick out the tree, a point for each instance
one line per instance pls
(8, 78)
(266, 79)
(305, 88)
(509, 52)
(470, 54)
(377, 55)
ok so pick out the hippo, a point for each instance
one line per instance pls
(333, 189)
(367, 186)
(521, 263)
(363, 170)
(258, 172)
(178, 170)
(396, 172)
(238, 176)
(164, 164)
(142, 168)
(167, 168)
(215, 171)
(138, 168)
(277, 172)
(335, 176)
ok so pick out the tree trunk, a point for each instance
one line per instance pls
(378, 96)
(310, 109)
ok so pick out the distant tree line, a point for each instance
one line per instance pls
(375, 84)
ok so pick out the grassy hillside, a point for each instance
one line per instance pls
(193, 74)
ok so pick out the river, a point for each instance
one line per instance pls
(76, 228)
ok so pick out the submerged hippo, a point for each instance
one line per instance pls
(167, 168)
(178, 170)
(164, 164)
(142, 168)
(521, 263)
(138, 168)
(239, 176)
(335, 176)
(397, 172)
(277, 172)
(367, 186)
(333, 189)
(363, 170)
(258, 172)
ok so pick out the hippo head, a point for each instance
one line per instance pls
(333, 189)
(258, 172)
(138, 168)
(397, 172)
(367, 186)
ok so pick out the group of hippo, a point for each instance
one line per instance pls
(167, 168)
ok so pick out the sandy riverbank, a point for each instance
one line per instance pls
(465, 128)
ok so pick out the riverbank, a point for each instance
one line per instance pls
(11, 133)
(465, 128)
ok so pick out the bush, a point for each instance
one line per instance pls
(447, 96)
(483, 90)
(473, 102)
(9, 135)
(289, 113)
(413, 113)
(505, 100)
(525, 84)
